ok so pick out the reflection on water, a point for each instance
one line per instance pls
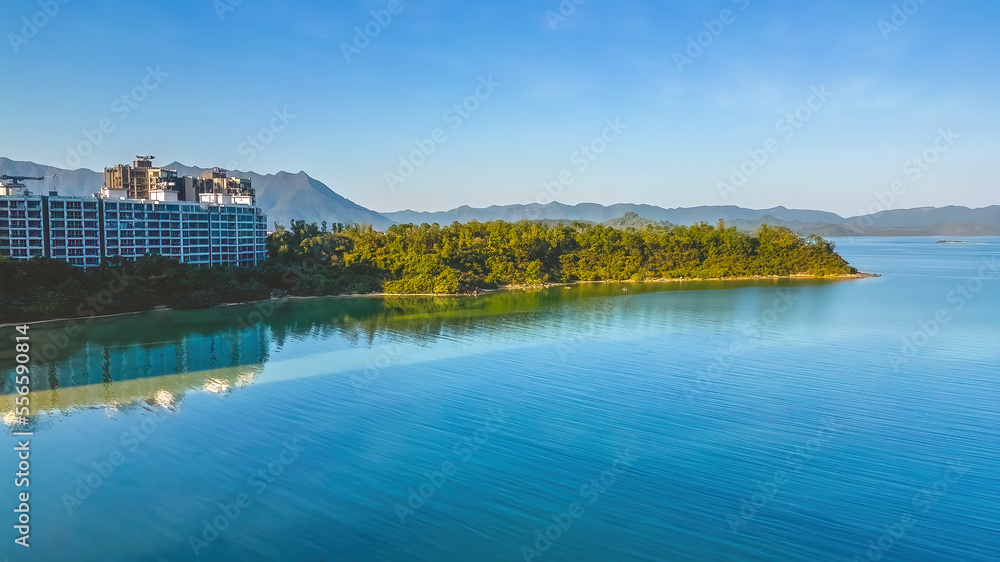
(157, 357)
(115, 368)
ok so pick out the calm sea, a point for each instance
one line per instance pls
(777, 420)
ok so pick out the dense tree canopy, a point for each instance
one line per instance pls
(429, 258)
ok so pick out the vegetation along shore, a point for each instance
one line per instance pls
(308, 259)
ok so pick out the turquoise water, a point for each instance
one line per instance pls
(777, 420)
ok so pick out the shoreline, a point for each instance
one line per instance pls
(502, 288)
(797, 276)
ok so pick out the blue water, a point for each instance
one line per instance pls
(777, 420)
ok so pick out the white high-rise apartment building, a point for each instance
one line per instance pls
(222, 227)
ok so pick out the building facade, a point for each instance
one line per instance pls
(222, 226)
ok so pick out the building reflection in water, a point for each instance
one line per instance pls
(116, 374)
(155, 358)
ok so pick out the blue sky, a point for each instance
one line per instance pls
(227, 75)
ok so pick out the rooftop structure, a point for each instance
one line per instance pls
(141, 179)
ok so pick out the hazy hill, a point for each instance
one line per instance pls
(631, 220)
(855, 229)
(594, 212)
(926, 216)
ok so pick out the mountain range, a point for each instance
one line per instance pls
(925, 221)
(285, 196)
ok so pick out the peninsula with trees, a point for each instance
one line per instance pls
(309, 259)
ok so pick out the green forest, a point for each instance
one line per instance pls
(308, 259)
